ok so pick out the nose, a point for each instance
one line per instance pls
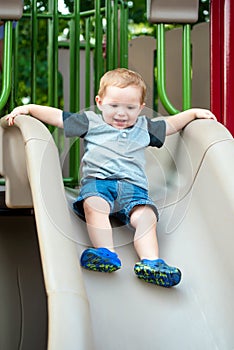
(121, 110)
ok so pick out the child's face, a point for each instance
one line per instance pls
(120, 106)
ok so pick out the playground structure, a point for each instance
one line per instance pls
(48, 302)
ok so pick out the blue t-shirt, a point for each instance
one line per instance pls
(110, 153)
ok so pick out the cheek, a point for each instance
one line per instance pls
(107, 116)
(110, 112)
(133, 118)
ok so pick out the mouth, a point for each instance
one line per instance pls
(120, 121)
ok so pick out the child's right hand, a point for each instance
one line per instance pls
(17, 111)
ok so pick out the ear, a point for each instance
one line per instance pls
(142, 106)
(98, 101)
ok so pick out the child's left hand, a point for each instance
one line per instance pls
(201, 113)
(178, 121)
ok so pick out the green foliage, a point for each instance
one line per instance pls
(24, 62)
(137, 12)
(204, 11)
(84, 5)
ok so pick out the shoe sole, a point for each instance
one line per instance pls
(98, 263)
(163, 279)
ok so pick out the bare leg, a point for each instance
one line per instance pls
(143, 219)
(97, 212)
(105, 259)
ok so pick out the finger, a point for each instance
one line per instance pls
(11, 121)
(212, 116)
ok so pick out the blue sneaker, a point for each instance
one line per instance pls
(100, 259)
(157, 272)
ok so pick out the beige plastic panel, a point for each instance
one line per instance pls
(177, 166)
(68, 308)
(172, 11)
(191, 179)
(11, 9)
(13, 167)
(23, 317)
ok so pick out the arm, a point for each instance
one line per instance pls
(178, 121)
(49, 115)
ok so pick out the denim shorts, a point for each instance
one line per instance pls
(121, 195)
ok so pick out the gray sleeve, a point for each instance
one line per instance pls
(157, 132)
(75, 125)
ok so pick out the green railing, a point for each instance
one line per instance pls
(186, 65)
(7, 59)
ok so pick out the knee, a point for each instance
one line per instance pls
(96, 205)
(88, 209)
(141, 214)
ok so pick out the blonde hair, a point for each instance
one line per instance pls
(122, 77)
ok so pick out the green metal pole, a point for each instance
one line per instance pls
(87, 62)
(123, 34)
(33, 51)
(125, 26)
(72, 65)
(77, 55)
(109, 38)
(161, 77)
(98, 45)
(53, 54)
(50, 53)
(187, 66)
(115, 33)
(74, 160)
(75, 58)
(7, 64)
(14, 68)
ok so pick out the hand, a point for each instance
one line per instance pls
(16, 111)
(178, 121)
(204, 114)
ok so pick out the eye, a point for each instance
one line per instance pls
(131, 107)
(114, 105)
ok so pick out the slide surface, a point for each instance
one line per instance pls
(191, 181)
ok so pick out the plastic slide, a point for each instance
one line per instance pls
(49, 302)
